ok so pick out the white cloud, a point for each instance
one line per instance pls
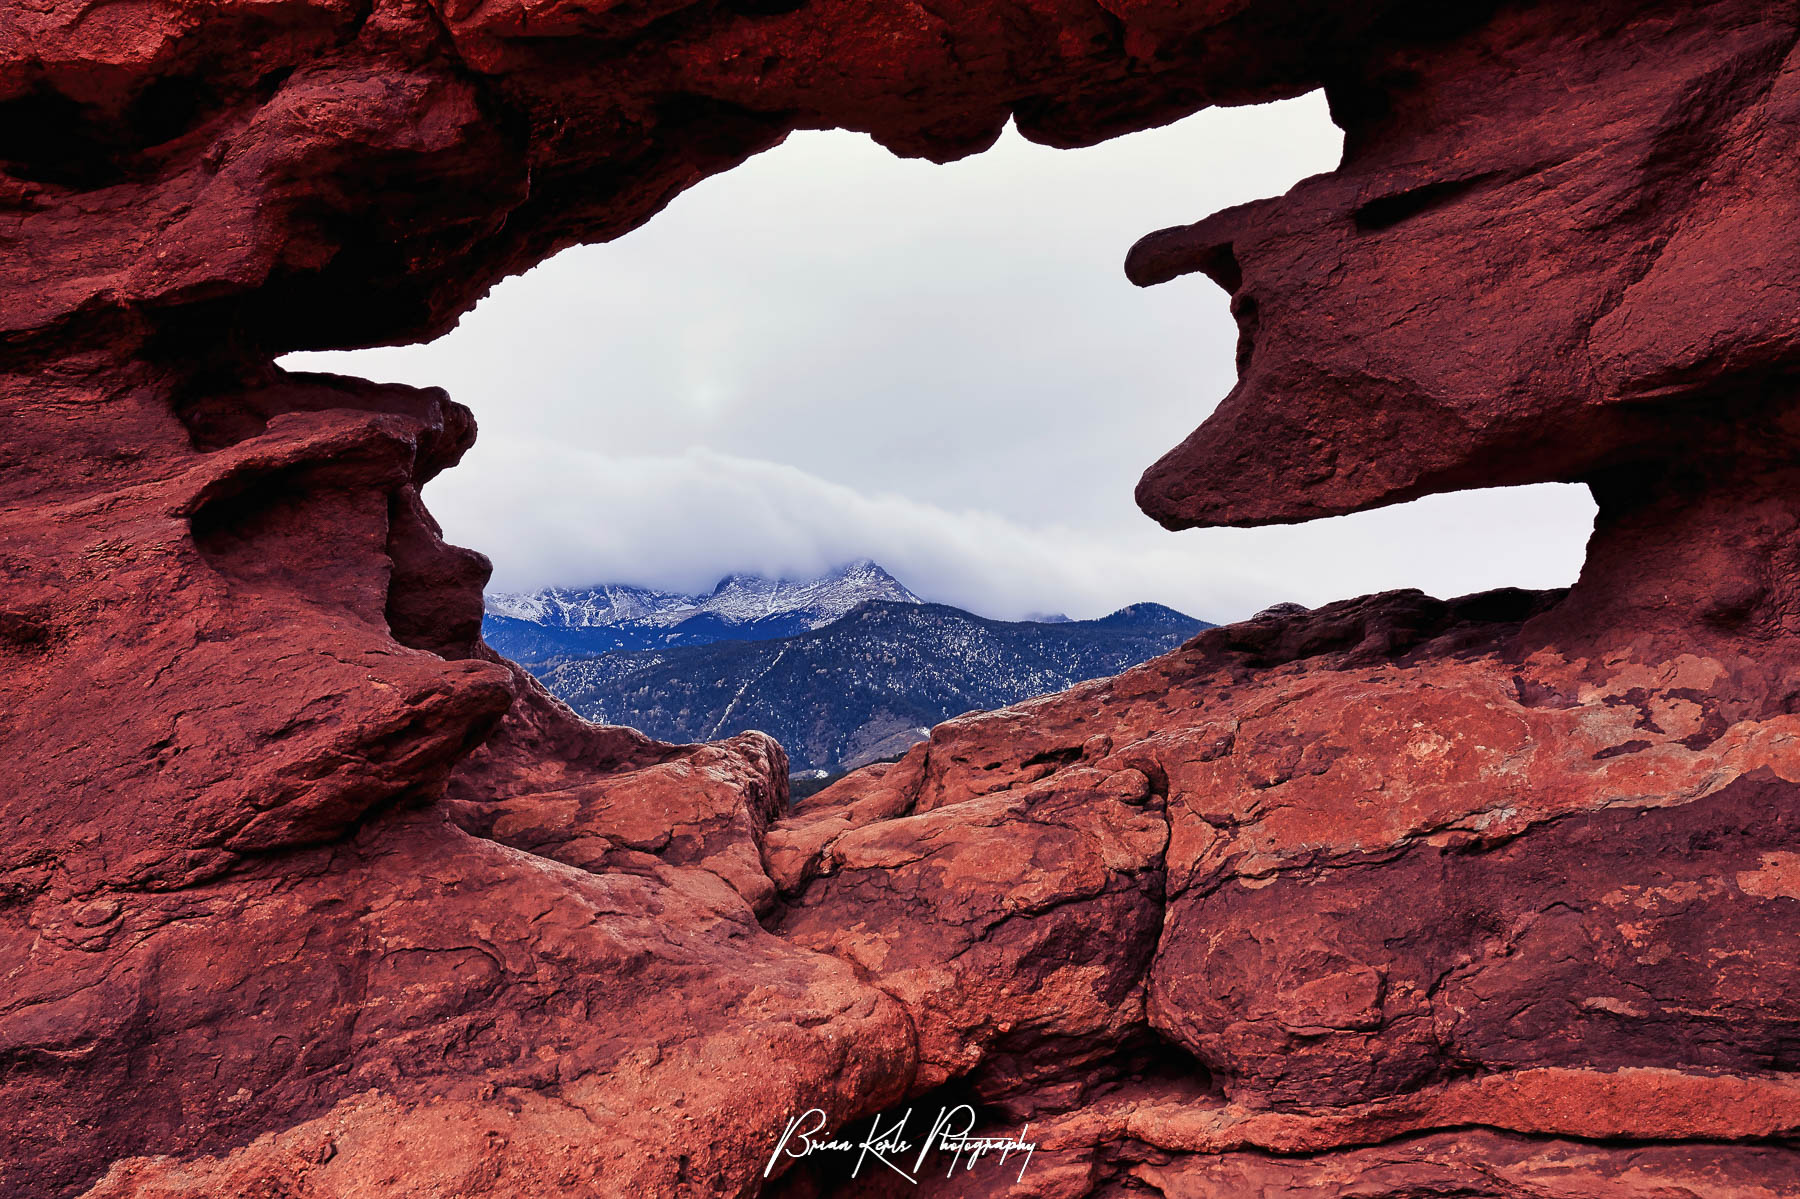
(683, 520)
(830, 353)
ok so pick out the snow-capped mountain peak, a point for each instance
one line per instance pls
(587, 607)
(740, 606)
(822, 600)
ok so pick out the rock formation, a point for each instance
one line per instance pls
(304, 893)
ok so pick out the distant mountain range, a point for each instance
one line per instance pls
(843, 670)
(541, 625)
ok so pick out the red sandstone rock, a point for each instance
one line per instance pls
(303, 892)
(1522, 283)
(1412, 891)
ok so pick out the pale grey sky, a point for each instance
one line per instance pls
(831, 353)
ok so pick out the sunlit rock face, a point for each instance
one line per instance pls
(304, 892)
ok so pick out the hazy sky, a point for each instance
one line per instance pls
(831, 353)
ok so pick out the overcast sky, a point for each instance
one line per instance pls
(831, 353)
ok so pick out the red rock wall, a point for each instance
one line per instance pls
(304, 893)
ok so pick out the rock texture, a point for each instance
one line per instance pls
(303, 892)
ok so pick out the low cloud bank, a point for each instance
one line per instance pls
(555, 516)
(830, 353)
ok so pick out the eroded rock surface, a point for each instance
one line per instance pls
(304, 893)
(1405, 889)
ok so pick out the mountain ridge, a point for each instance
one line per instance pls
(534, 627)
(864, 687)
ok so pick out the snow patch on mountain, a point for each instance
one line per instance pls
(537, 625)
(742, 598)
(592, 606)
